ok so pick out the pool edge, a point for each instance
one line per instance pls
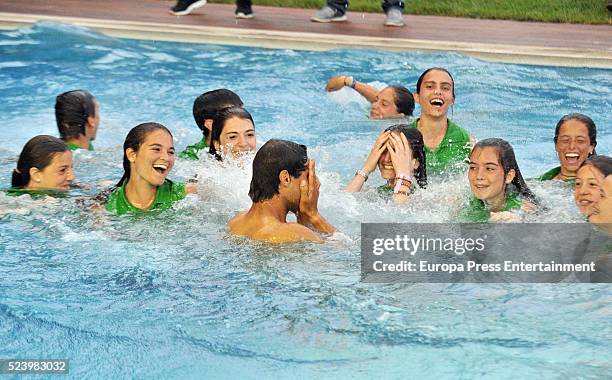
(534, 55)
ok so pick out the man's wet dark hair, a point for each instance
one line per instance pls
(72, 109)
(584, 119)
(271, 159)
(134, 139)
(602, 163)
(404, 101)
(415, 139)
(507, 160)
(420, 80)
(207, 105)
(219, 123)
(36, 153)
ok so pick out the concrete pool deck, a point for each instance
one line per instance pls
(502, 41)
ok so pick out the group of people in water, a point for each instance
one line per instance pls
(409, 155)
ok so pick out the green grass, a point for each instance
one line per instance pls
(564, 11)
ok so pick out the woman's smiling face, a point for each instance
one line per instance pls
(435, 95)
(154, 159)
(384, 106)
(588, 190)
(238, 136)
(573, 145)
(486, 175)
(58, 175)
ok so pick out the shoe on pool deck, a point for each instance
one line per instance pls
(328, 14)
(394, 17)
(185, 7)
(244, 14)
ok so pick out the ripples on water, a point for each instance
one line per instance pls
(176, 296)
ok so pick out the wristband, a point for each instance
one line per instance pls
(353, 82)
(362, 173)
(400, 180)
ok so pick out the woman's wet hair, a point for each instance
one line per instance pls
(72, 109)
(219, 121)
(584, 119)
(271, 159)
(36, 153)
(420, 80)
(207, 105)
(134, 139)
(507, 160)
(601, 163)
(415, 139)
(404, 101)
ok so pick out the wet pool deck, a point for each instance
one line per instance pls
(505, 41)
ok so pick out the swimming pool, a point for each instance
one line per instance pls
(175, 296)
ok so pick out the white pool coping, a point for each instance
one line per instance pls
(535, 55)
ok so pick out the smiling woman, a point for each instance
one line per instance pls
(593, 191)
(447, 146)
(148, 157)
(233, 133)
(45, 163)
(391, 102)
(497, 183)
(575, 141)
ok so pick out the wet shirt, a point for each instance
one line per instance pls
(453, 152)
(74, 147)
(477, 212)
(191, 151)
(387, 191)
(552, 173)
(168, 193)
(36, 194)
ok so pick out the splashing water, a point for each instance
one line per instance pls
(175, 296)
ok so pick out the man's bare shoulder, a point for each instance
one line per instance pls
(287, 233)
(271, 230)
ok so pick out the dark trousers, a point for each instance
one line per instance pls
(244, 6)
(342, 5)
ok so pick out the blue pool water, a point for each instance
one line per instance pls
(175, 297)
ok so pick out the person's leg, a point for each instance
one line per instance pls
(393, 9)
(339, 5)
(334, 11)
(388, 4)
(243, 9)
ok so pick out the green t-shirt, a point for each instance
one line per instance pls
(453, 152)
(552, 173)
(36, 194)
(191, 151)
(477, 211)
(386, 191)
(74, 147)
(168, 193)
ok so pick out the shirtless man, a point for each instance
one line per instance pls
(284, 181)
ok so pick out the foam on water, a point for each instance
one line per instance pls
(174, 295)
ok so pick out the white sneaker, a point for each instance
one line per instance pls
(394, 17)
(328, 14)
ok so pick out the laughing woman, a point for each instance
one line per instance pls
(447, 146)
(497, 184)
(233, 133)
(398, 153)
(575, 140)
(148, 157)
